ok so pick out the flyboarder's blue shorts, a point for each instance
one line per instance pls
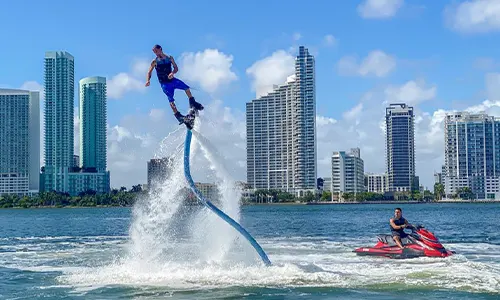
(170, 86)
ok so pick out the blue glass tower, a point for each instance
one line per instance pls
(400, 147)
(472, 154)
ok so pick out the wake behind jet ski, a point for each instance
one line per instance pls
(420, 242)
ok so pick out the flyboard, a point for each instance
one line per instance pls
(187, 173)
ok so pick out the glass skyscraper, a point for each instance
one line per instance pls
(281, 132)
(472, 154)
(93, 123)
(19, 141)
(59, 109)
(400, 148)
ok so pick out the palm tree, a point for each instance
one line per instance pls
(438, 190)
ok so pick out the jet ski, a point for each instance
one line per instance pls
(420, 242)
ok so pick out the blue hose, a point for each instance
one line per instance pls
(187, 174)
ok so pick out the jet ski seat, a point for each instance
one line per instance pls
(387, 239)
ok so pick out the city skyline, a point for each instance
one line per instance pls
(59, 172)
(356, 77)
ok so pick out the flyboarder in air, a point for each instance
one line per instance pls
(163, 64)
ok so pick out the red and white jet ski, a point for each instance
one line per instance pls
(420, 242)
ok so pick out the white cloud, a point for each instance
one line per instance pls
(378, 9)
(157, 114)
(131, 143)
(210, 68)
(297, 36)
(270, 71)
(322, 121)
(122, 83)
(330, 40)
(125, 82)
(493, 86)
(377, 63)
(354, 112)
(412, 92)
(34, 86)
(474, 16)
(140, 67)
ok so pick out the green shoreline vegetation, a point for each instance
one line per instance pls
(120, 197)
(127, 198)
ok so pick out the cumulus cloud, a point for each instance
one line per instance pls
(330, 40)
(493, 86)
(270, 71)
(377, 63)
(140, 67)
(473, 16)
(35, 87)
(125, 82)
(210, 68)
(157, 114)
(412, 92)
(353, 112)
(122, 83)
(322, 121)
(379, 9)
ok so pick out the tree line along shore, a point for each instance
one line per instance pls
(126, 198)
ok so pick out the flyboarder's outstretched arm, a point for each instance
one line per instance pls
(148, 76)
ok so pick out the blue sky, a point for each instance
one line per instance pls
(425, 42)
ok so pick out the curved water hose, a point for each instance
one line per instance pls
(207, 203)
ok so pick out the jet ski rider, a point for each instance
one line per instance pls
(398, 224)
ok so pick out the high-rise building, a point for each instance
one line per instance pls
(281, 133)
(19, 141)
(327, 184)
(93, 123)
(76, 161)
(91, 173)
(472, 154)
(159, 170)
(377, 183)
(438, 177)
(304, 121)
(347, 172)
(400, 147)
(59, 83)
